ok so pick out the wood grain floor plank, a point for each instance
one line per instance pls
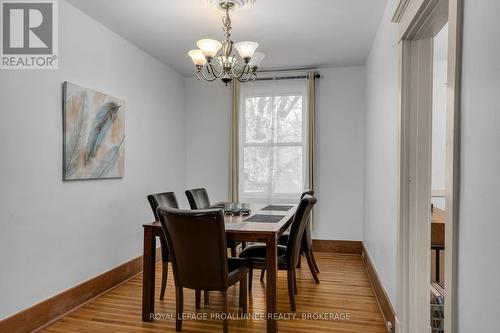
(344, 288)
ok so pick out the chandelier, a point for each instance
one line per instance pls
(212, 64)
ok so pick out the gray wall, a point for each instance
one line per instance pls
(479, 241)
(55, 234)
(340, 147)
(382, 152)
(207, 112)
(439, 102)
(479, 227)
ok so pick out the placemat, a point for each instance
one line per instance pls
(264, 218)
(278, 208)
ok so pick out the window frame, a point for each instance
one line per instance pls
(273, 94)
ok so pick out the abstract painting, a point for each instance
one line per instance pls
(94, 133)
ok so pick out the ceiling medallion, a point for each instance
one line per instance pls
(219, 4)
(226, 65)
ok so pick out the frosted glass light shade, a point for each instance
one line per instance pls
(256, 59)
(209, 47)
(246, 49)
(197, 57)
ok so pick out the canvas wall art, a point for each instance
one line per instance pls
(94, 134)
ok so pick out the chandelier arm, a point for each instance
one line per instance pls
(250, 78)
(215, 72)
(243, 79)
(208, 78)
(234, 72)
(250, 74)
(244, 70)
(234, 68)
(207, 74)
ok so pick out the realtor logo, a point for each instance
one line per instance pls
(29, 34)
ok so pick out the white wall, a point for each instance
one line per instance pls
(340, 154)
(208, 107)
(340, 150)
(381, 166)
(439, 102)
(479, 227)
(479, 240)
(55, 234)
(439, 97)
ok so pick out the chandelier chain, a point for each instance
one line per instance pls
(226, 21)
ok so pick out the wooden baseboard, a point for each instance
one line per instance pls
(338, 246)
(378, 288)
(45, 312)
(358, 248)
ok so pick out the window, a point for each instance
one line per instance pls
(273, 147)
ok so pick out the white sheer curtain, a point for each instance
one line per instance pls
(273, 140)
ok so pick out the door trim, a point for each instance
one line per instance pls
(419, 21)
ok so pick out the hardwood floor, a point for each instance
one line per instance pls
(344, 289)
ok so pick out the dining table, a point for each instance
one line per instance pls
(266, 224)
(437, 238)
(437, 227)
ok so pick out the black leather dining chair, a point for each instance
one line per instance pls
(288, 256)
(306, 246)
(165, 199)
(197, 241)
(198, 199)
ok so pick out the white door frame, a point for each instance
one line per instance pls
(419, 21)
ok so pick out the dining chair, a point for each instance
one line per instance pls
(288, 256)
(198, 199)
(306, 246)
(165, 199)
(198, 250)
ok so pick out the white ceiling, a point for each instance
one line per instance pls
(292, 33)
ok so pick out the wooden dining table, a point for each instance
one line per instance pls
(437, 227)
(237, 229)
(437, 238)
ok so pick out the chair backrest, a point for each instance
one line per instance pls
(198, 198)
(307, 192)
(197, 244)
(307, 238)
(165, 199)
(299, 224)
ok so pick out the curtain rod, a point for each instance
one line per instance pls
(316, 76)
(286, 74)
(290, 70)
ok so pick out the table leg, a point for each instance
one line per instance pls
(271, 273)
(438, 268)
(148, 275)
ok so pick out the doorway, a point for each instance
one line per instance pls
(429, 146)
(438, 178)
